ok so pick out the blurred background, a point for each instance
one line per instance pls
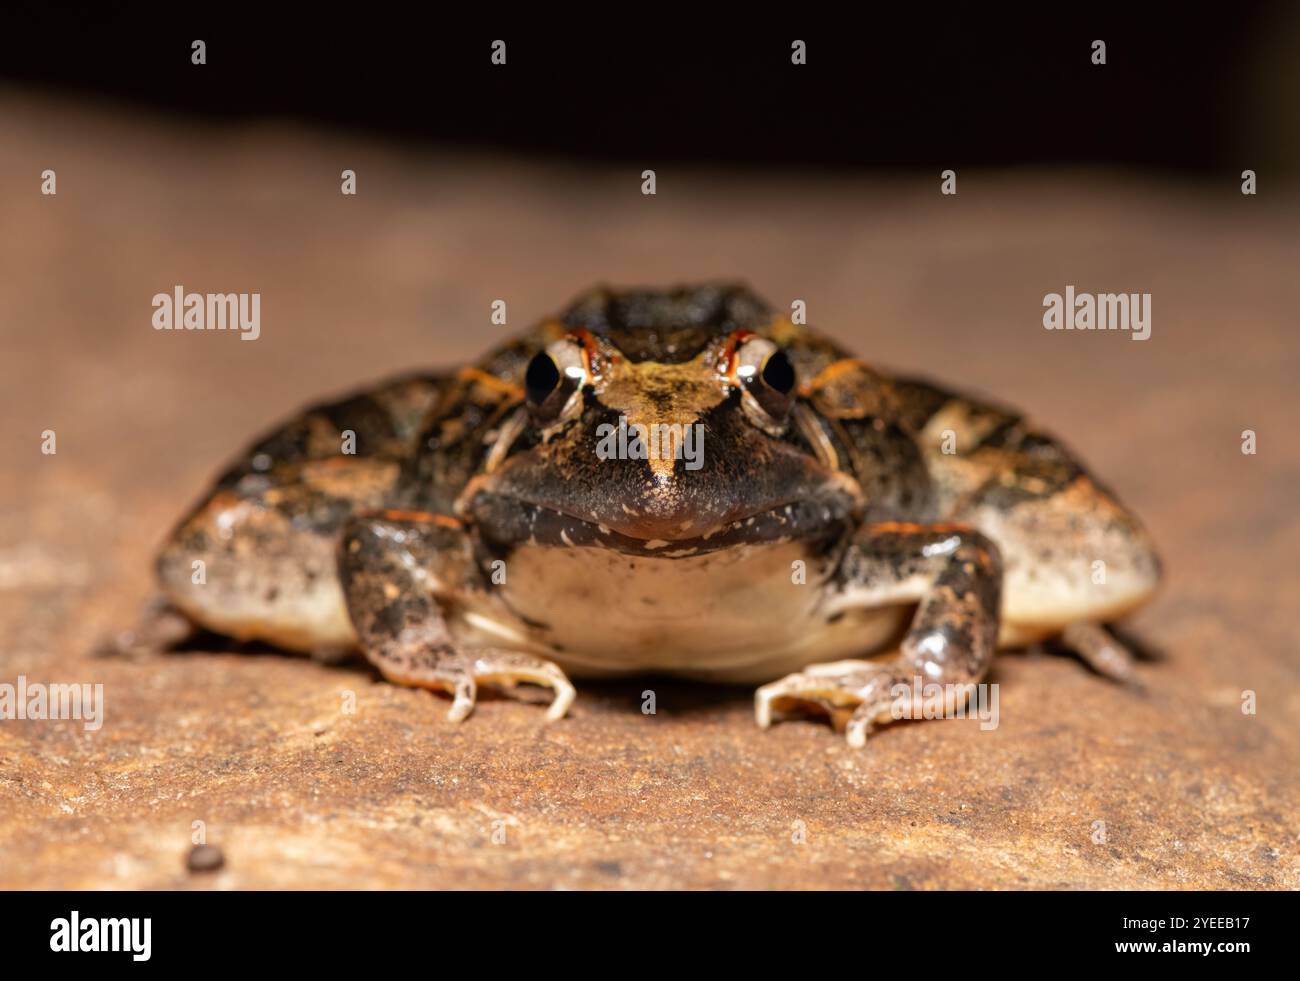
(523, 183)
(1185, 89)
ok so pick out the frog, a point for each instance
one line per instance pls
(811, 525)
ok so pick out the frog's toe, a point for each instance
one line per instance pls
(160, 627)
(868, 715)
(464, 696)
(460, 674)
(509, 668)
(1102, 652)
(852, 690)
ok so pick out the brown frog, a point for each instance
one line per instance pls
(670, 481)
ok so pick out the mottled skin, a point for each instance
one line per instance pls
(463, 528)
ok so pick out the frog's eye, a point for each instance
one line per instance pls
(768, 377)
(778, 373)
(554, 376)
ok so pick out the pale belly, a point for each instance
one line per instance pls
(739, 615)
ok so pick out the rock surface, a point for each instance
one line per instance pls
(296, 792)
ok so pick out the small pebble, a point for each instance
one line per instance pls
(205, 858)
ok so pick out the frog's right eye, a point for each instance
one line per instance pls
(553, 378)
(542, 378)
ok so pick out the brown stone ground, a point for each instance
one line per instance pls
(1193, 792)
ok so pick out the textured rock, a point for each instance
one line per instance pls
(297, 793)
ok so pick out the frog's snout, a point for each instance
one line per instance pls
(629, 503)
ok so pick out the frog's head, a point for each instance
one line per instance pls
(661, 422)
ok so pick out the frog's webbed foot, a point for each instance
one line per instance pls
(955, 574)
(460, 672)
(857, 695)
(1101, 651)
(391, 565)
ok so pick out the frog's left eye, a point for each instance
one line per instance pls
(554, 377)
(778, 373)
(768, 377)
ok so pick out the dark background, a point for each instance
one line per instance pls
(1183, 89)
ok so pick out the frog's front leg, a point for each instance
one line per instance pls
(397, 568)
(954, 573)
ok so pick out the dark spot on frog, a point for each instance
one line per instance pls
(614, 869)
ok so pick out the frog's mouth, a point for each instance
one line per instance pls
(505, 521)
